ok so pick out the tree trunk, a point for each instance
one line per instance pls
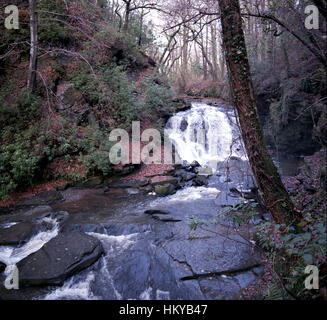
(184, 59)
(214, 51)
(204, 62)
(275, 195)
(141, 29)
(31, 82)
(127, 13)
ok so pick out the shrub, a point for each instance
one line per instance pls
(158, 96)
(120, 95)
(18, 166)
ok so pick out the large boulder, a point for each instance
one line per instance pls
(163, 180)
(185, 175)
(17, 234)
(59, 259)
(201, 181)
(164, 190)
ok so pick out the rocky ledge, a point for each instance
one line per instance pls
(182, 175)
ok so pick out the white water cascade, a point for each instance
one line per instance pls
(206, 134)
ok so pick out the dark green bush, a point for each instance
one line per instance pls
(18, 166)
(158, 95)
(120, 95)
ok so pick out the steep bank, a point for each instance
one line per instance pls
(91, 79)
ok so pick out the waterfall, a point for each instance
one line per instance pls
(205, 134)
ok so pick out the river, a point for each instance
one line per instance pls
(149, 259)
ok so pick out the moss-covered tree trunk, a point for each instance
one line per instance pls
(266, 174)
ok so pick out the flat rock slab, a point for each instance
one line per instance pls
(59, 259)
(218, 255)
(17, 234)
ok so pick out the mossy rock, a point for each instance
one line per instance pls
(164, 190)
(90, 183)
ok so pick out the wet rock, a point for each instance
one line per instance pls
(184, 165)
(165, 218)
(201, 181)
(146, 189)
(164, 190)
(37, 211)
(152, 212)
(61, 217)
(90, 183)
(195, 164)
(18, 234)
(121, 185)
(44, 198)
(184, 125)
(163, 180)
(245, 194)
(235, 158)
(5, 211)
(205, 172)
(245, 279)
(185, 175)
(235, 192)
(170, 172)
(85, 228)
(59, 259)
(2, 267)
